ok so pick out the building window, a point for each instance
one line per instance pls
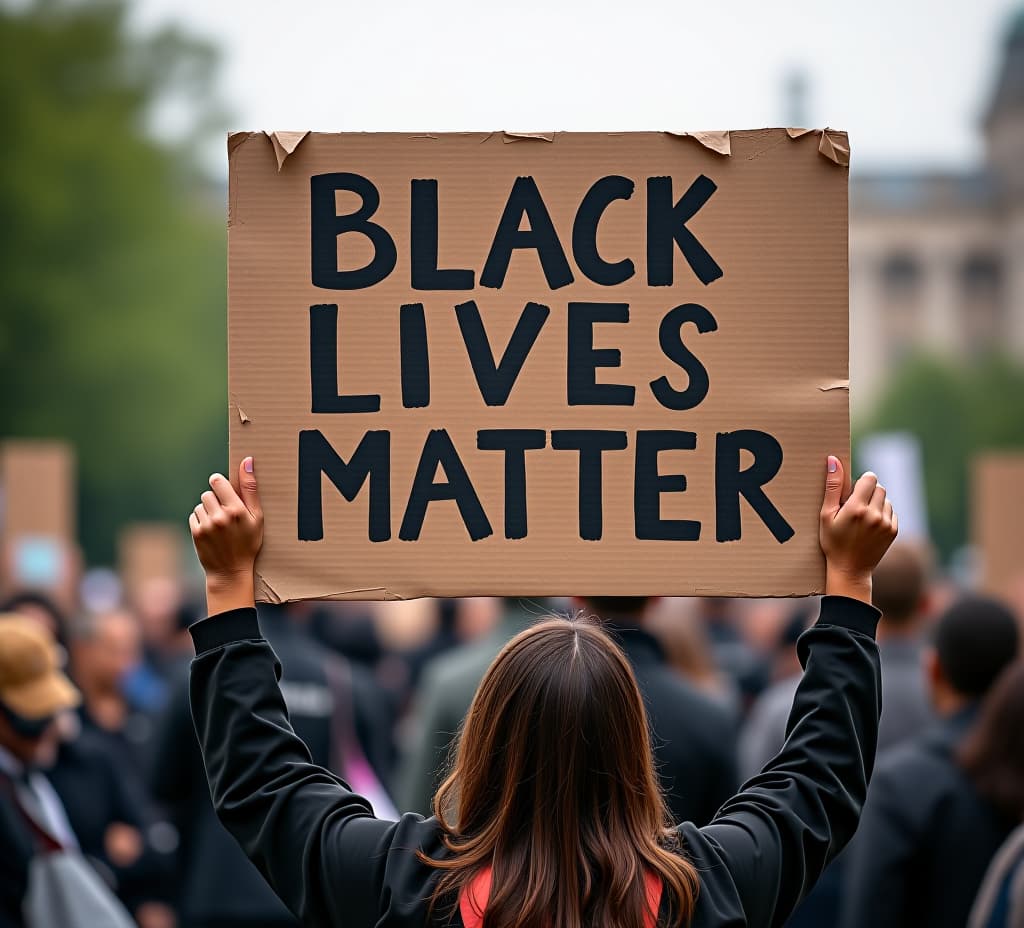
(980, 280)
(901, 276)
(980, 276)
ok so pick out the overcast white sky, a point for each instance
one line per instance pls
(907, 78)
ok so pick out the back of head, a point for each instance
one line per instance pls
(554, 786)
(993, 752)
(975, 639)
(898, 584)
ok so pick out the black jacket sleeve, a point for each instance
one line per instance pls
(769, 844)
(333, 863)
(314, 840)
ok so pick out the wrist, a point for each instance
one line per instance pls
(230, 590)
(852, 584)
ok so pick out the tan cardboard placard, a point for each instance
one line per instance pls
(149, 551)
(539, 363)
(997, 520)
(37, 482)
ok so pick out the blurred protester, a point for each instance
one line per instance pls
(107, 797)
(993, 756)
(337, 711)
(42, 609)
(445, 691)
(734, 654)
(927, 834)
(899, 591)
(40, 863)
(688, 650)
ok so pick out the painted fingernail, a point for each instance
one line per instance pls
(247, 465)
(833, 464)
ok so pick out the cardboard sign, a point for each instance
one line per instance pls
(38, 518)
(496, 364)
(997, 521)
(148, 551)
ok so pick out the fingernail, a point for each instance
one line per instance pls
(833, 464)
(247, 465)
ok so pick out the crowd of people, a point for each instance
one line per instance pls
(378, 691)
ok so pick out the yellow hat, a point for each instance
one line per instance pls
(31, 682)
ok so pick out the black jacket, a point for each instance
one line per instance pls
(16, 849)
(334, 864)
(694, 738)
(926, 838)
(215, 879)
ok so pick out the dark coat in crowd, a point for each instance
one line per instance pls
(97, 790)
(16, 849)
(694, 737)
(218, 886)
(925, 840)
(333, 863)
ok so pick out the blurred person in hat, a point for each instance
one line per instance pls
(33, 691)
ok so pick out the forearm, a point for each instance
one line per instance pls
(265, 789)
(797, 814)
(229, 591)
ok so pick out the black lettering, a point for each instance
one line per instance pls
(326, 225)
(671, 340)
(515, 443)
(415, 362)
(583, 359)
(584, 231)
(648, 485)
(497, 380)
(590, 443)
(525, 200)
(666, 226)
(371, 459)
(731, 483)
(323, 366)
(439, 450)
(423, 236)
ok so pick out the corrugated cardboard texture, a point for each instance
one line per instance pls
(776, 225)
(997, 520)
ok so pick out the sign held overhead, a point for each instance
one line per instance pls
(609, 364)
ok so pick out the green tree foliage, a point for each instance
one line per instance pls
(112, 257)
(955, 412)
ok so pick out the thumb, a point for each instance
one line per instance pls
(834, 481)
(247, 485)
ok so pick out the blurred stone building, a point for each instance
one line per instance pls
(937, 259)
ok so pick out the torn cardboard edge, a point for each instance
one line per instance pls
(508, 137)
(718, 142)
(834, 143)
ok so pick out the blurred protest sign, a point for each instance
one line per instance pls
(38, 484)
(895, 457)
(997, 521)
(532, 364)
(149, 551)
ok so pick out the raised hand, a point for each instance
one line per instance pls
(855, 530)
(227, 530)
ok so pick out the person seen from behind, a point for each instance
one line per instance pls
(552, 813)
(927, 834)
(993, 756)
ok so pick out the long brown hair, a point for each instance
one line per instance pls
(993, 752)
(553, 786)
